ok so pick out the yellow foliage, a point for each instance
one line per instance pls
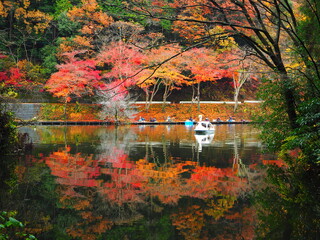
(34, 20)
(20, 171)
(82, 204)
(83, 41)
(189, 222)
(218, 207)
(89, 5)
(90, 16)
(26, 3)
(3, 11)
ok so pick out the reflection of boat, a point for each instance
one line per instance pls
(204, 127)
(203, 139)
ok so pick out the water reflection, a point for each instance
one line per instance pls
(203, 139)
(289, 203)
(137, 183)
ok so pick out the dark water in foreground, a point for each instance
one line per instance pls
(137, 182)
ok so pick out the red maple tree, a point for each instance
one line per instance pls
(75, 78)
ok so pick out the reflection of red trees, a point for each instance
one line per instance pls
(189, 222)
(73, 170)
(90, 228)
(133, 181)
(120, 181)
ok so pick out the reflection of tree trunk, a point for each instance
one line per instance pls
(165, 150)
(147, 152)
(150, 154)
(237, 164)
(198, 155)
(65, 136)
(193, 149)
(236, 158)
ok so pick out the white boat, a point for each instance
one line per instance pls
(204, 127)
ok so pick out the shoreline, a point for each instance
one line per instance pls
(96, 123)
(56, 114)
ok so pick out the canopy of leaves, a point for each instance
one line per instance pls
(75, 78)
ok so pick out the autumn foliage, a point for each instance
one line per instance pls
(132, 183)
(75, 77)
(21, 75)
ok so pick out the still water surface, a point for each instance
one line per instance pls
(138, 182)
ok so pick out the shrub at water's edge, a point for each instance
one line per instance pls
(11, 228)
(74, 112)
(8, 134)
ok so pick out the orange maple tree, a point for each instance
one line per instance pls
(165, 67)
(30, 19)
(93, 22)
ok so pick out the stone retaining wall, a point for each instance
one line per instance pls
(24, 111)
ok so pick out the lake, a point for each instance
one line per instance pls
(137, 182)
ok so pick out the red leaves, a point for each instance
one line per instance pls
(75, 77)
(205, 64)
(12, 77)
(22, 74)
(124, 60)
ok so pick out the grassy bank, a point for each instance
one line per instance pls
(177, 112)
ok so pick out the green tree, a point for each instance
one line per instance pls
(11, 228)
(8, 134)
(23, 28)
(288, 207)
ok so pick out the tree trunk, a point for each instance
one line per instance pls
(153, 93)
(290, 107)
(65, 110)
(198, 96)
(147, 100)
(236, 95)
(289, 98)
(165, 96)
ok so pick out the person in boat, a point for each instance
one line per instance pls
(169, 119)
(141, 119)
(218, 120)
(207, 119)
(230, 119)
(153, 119)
